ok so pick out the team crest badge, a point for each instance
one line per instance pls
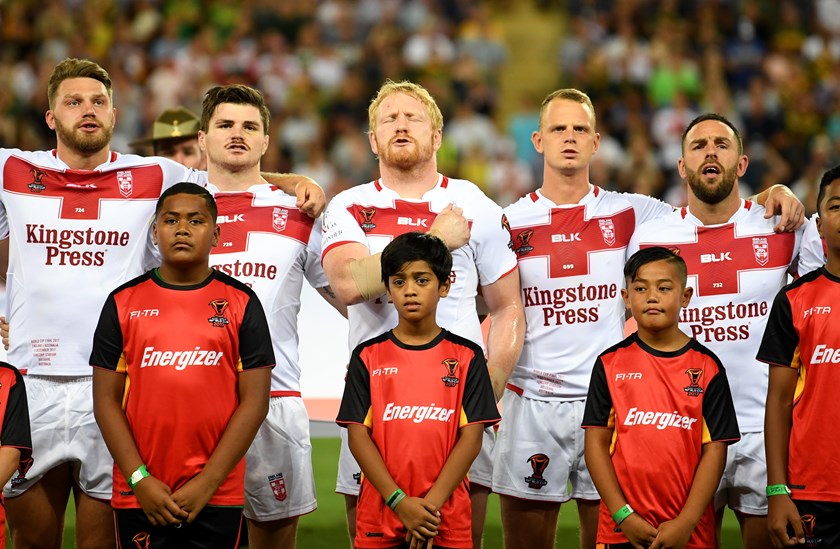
(367, 223)
(219, 306)
(279, 217)
(506, 226)
(143, 540)
(694, 375)
(809, 524)
(23, 467)
(450, 379)
(278, 486)
(126, 183)
(36, 186)
(607, 231)
(523, 240)
(761, 249)
(538, 462)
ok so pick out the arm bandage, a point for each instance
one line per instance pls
(367, 274)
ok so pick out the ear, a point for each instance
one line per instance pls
(202, 144)
(681, 168)
(50, 118)
(819, 228)
(688, 291)
(536, 140)
(626, 297)
(597, 143)
(373, 144)
(154, 233)
(445, 287)
(743, 162)
(437, 139)
(217, 233)
(265, 144)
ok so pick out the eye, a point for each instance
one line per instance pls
(397, 282)
(422, 280)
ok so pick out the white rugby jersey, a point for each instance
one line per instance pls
(74, 235)
(270, 245)
(372, 214)
(812, 251)
(571, 259)
(736, 270)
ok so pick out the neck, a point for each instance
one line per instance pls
(832, 263)
(81, 161)
(669, 339)
(714, 214)
(413, 182)
(228, 180)
(565, 188)
(183, 276)
(418, 333)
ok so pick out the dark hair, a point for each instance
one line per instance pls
(828, 178)
(76, 68)
(189, 188)
(718, 118)
(416, 246)
(655, 253)
(238, 94)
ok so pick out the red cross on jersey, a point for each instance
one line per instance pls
(239, 217)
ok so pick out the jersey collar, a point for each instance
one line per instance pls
(740, 213)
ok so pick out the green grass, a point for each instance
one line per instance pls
(326, 527)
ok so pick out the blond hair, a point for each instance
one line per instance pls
(76, 68)
(568, 94)
(416, 91)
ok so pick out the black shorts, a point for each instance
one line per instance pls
(821, 522)
(214, 528)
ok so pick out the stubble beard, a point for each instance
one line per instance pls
(712, 194)
(84, 143)
(405, 158)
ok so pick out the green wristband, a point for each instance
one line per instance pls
(778, 490)
(137, 476)
(622, 514)
(396, 497)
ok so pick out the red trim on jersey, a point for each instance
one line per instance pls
(515, 389)
(534, 196)
(683, 212)
(378, 185)
(596, 190)
(285, 393)
(748, 204)
(335, 245)
(444, 183)
(23, 372)
(507, 273)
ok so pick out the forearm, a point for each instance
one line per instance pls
(777, 422)
(457, 465)
(370, 460)
(599, 464)
(239, 433)
(504, 343)
(117, 435)
(705, 483)
(9, 462)
(350, 265)
(286, 182)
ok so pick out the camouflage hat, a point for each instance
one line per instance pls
(177, 123)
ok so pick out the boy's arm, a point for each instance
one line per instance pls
(418, 515)
(457, 465)
(676, 533)
(310, 196)
(598, 461)
(254, 388)
(777, 420)
(152, 494)
(9, 462)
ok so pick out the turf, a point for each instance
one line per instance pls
(326, 528)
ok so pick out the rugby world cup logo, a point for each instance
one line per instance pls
(523, 242)
(538, 462)
(36, 186)
(450, 379)
(367, 223)
(142, 540)
(809, 524)
(694, 375)
(506, 226)
(219, 306)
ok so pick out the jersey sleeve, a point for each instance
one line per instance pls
(355, 403)
(108, 339)
(599, 411)
(479, 403)
(255, 349)
(812, 251)
(16, 432)
(780, 342)
(719, 421)
(647, 208)
(339, 225)
(312, 269)
(490, 238)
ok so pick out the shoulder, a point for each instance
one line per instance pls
(627, 343)
(234, 284)
(134, 282)
(460, 341)
(9, 371)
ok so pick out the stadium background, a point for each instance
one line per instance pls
(650, 66)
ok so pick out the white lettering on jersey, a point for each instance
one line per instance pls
(824, 354)
(417, 413)
(715, 258)
(144, 313)
(628, 376)
(813, 311)
(236, 218)
(180, 359)
(384, 372)
(572, 237)
(660, 419)
(412, 222)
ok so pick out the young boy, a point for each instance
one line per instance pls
(801, 345)
(15, 436)
(659, 416)
(183, 366)
(415, 405)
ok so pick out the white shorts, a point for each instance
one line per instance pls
(744, 480)
(279, 481)
(64, 430)
(350, 474)
(539, 451)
